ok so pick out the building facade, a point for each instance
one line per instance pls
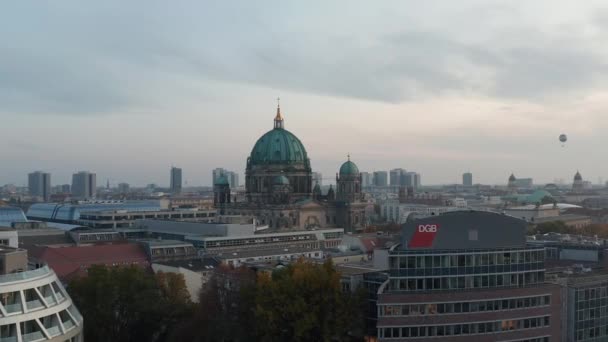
(84, 185)
(39, 185)
(175, 185)
(467, 179)
(34, 305)
(380, 178)
(467, 276)
(279, 189)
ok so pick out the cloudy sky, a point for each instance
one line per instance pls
(128, 88)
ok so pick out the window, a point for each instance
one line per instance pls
(473, 235)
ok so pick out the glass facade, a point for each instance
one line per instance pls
(436, 270)
(69, 213)
(12, 214)
(447, 308)
(474, 328)
(591, 316)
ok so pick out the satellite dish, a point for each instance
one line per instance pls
(563, 138)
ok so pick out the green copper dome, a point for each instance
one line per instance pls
(349, 168)
(278, 146)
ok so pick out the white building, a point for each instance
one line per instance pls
(34, 306)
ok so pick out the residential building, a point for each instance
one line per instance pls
(175, 186)
(196, 272)
(39, 185)
(468, 276)
(73, 261)
(84, 185)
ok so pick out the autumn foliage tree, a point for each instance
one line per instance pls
(129, 304)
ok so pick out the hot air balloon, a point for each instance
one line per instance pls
(563, 138)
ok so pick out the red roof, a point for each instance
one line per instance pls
(369, 244)
(70, 261)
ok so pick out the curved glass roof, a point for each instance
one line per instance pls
(12, 214)
(68, 212)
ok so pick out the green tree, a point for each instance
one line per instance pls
(128, 303)
(305, 302)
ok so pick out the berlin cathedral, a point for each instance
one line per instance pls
(279, 189)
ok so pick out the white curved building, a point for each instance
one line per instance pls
(34, 306)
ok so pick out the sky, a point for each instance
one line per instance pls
(128, 88)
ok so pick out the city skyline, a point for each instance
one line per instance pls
(445, 89)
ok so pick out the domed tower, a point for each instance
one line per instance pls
(512, 185)
(221, 191)
(278, 153)
(577, 185)
(348, 182)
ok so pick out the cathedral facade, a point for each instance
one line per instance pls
(280, 191)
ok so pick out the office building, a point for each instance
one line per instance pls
(366, 179)
(395, 176)
(380, 178)
(84, 185)
(468, 276)
(39, 184)
(176, 180)
(411, 179)
(467, 179)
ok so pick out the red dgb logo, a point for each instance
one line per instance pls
(424, 235)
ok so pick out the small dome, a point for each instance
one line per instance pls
(349, 168)
(512, 178)
(578, 177)
(280, 180)
(222, 180)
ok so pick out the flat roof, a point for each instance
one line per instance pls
(257, 236)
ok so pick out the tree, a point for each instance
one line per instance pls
(305, 302)
(128, 304)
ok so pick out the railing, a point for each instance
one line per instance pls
(35, 336)
(11, 308)
(50, 300)
(11, 277)
(8, 339)
(34, 304)
(53, 331)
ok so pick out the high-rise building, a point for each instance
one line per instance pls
(84, 185)
(468, 275)
(366, 179)
(233, 178)
(380, 178)
(395, 176)
(39, 184)
(123, 188)
(467, 179)
(411, 179)
(176, 180)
